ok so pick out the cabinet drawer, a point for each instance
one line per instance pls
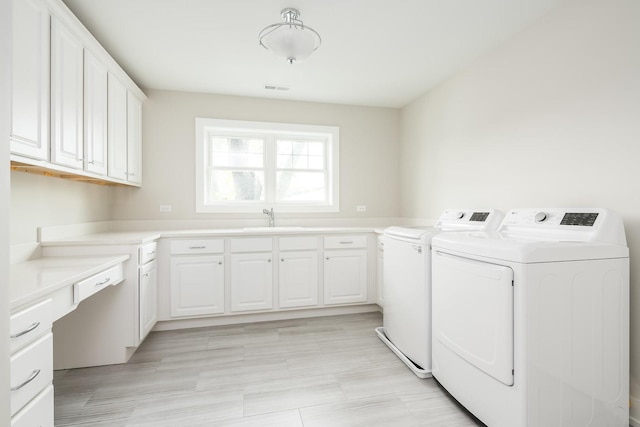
(338, 242)
(197, 246)
(31, 371)
(147, 253)
(29, 324)
(298, 243)
(258, 244)
(39, 412)
(87, 287)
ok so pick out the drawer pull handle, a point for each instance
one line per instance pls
(197, 247)
(26, 331)
(104, 281)
(32, 377)
(152, 253)
(346, 242)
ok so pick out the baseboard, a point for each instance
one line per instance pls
(170, 325)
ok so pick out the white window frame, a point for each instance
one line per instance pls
(206, 126)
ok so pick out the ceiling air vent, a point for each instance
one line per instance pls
(276, 87)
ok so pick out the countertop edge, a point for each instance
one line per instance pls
(142, 237)
(101, 263)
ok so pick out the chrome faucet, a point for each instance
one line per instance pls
(272, 222)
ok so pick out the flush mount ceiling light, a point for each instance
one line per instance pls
(291, 39)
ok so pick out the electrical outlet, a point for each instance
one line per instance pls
(361, 208)
(165, 208)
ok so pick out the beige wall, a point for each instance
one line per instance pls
(368, 153)
(38, 201)
(551, 118)
(5, 121)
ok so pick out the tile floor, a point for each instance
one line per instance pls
(318, 372)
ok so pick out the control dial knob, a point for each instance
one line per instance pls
(459, 215)
(541, 217)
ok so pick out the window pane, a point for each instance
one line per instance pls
(284, 161)
(316, 162)
(237, 185)
(300, 154)
(237, 152)
(316, 149)
(284, 147)
(300, 186)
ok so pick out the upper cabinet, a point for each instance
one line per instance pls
(134, 139)
(117, 118)
(95, 115)
(30, 84)
(75, 112)
(67, 78)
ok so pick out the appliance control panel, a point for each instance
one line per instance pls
(565, 224)
(469, 219)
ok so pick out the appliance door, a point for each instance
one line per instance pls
(407, 299)
(473, 312)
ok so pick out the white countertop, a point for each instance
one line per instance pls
(33, 280)
(141, 237)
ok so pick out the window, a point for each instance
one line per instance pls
(247, 166)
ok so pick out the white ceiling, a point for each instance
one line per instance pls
(374, 52)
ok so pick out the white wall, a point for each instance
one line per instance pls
(551, 118)
(5, 120)
(38, 201)
(368, 153)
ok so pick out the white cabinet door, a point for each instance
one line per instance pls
(134, 139)
(298, 279)
(66, 97)
(345, 276)
(117, 135)
(30, 80)
(197, 285)
(95, 115)
(380, 282)
(251, 282)
(148, 298)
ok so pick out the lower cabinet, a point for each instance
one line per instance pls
(345, 276)
(197, 285)
(380, 271)
(251, 282)
(39, 412)
(148, 281)
(298, 279)
(263, 274)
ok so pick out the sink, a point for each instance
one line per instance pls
(274, 229)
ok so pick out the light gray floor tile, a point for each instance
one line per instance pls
(290, 393)
(326, 371)
(195, 408)
(370, 382)
(382, 411)
(276, 419)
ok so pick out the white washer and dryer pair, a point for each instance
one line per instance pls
(531, 323)
(407, 283)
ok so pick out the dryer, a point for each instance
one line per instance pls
(407, 283)
(531, 323)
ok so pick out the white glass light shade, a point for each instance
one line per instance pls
(291, 40)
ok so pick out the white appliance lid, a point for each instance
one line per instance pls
(545, 235)
(419, 234)
(497, 246)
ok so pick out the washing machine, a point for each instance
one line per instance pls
(406, 326)
(531, 323)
